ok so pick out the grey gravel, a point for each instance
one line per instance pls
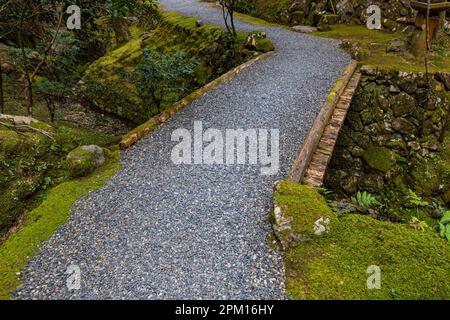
(161, 231)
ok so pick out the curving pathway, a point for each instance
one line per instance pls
(162, 231)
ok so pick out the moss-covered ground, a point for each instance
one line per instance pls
(414, 264)
(40, 223)
(373, 44)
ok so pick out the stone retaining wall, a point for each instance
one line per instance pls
(392, 124)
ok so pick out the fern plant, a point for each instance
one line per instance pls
(365, 200)
(444, 226)
(418, 224)
(415, 200)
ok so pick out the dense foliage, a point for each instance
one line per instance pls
(158, 74)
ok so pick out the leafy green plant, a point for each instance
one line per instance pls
(444, 226)
(324, 191)
(53, 93)
(46, 183)
(418, 224)
(342, 207)
(160, 74)
(416, 200)
(365, 200)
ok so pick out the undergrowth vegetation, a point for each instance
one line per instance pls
(31, 163)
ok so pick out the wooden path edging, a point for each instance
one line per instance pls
(144, 129)
(315, 173)
(306, 152)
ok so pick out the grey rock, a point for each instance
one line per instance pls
(396, 45)
(304, 29)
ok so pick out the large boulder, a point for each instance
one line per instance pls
(85, 159)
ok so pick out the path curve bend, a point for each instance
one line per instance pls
(162, 231)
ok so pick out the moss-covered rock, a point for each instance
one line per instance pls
(379, 158)
(85, 159)
(403, 104)
(9, 141)
(404, 126)
(42, 221)
(258, 41)
(300, 213)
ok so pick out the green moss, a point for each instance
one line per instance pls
(264, 45)
(9, 141)
(31, 162)
(70, 137)
(304, 205)
(430, 177)
(269, 10)
(414, 264)
(375, 42)
(43, 221)
(379, 158)
(257, 21)
(427, 177)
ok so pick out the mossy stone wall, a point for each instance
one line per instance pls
(394, 131)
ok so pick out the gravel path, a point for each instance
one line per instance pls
(162, 231)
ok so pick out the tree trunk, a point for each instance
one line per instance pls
(51, 110)
(442, 18)
(24, 61)
(2, 101)
(233, 27)
(225, 17)
(30, 95)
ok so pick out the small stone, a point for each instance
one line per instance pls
(304, 29)
(379, 158)
(394, 89)
(403, 104)
(444, 77)
(407, 82)
(368, 71)
(404, 126)
(396, 45)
